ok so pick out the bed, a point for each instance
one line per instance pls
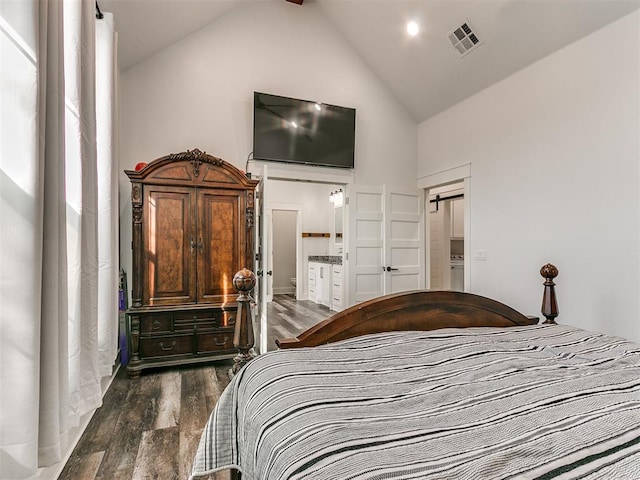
(432, 385)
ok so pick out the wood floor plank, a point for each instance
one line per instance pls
(193, 410)
(281, 332)
(84, 467)
(188, 446)
(211, 382)
(138, 417)
(288, 317)
(157, 456)
(168, 414)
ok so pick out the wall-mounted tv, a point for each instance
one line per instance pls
(302, 131)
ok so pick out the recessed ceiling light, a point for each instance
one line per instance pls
(412, 28)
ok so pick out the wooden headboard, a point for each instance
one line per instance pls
(423, 310)
(417, 310)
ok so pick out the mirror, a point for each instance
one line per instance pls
(338, 214)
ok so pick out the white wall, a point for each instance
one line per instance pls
(199, 93)
(555, 154)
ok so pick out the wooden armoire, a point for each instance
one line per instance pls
(192, 231)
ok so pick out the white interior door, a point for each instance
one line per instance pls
(262, 249)
(366, 242)
(268, 264)
(386, 241)
(403, 239)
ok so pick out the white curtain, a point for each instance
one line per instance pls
(58, 225)
(108, 221)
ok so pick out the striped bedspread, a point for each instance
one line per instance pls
(518, 403)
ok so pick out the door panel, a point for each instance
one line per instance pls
(366, 238)
(404, 239)
(262, 245)
(169, 274)
(219, 241)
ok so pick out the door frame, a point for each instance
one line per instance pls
(458, 174)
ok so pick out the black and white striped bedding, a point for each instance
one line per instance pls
(477, 403)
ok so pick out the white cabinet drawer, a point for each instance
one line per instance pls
(311, 275)
(337, 296)
(336, 306)
(336, 270)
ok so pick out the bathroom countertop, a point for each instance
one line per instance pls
(331, 259)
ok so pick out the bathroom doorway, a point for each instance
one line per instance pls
(284, 248)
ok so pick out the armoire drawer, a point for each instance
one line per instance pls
(215, 342)
(153, 324)
(191, 320)
(206, 319)
(167, 345)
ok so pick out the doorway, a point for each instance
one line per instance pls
(456, 175)
(300, 222)
(284, 252)
(446, 234)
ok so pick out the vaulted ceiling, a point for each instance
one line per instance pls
(425, 72)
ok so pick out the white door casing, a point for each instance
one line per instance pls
(461, 173)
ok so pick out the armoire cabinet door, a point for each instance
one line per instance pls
(221, 232)
(170, 245)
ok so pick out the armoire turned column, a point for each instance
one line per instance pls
(192, 231)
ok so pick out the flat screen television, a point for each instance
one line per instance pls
(302, 131)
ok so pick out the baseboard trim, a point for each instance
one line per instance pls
(284, 291)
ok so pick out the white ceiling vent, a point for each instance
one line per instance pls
(464, 39)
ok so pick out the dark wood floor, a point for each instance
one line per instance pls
(149, 428)
(288, 317)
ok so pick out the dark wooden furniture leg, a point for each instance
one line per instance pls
(243, 339)
(549, 303)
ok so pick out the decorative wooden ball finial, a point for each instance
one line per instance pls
(244, 281)
(549, 303)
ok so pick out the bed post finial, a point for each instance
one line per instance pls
(549, 303)
(243, 339)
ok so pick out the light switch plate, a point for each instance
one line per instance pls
(480, 255)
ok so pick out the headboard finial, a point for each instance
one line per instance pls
(549, 302)
(549, 271)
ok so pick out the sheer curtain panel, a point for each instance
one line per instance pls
(108, 271)
(58, 235)
(21, 232)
